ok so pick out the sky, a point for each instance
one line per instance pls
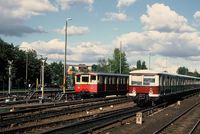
(163, 33)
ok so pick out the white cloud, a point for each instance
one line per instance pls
(111, 16)
(125, 3)
(14, 13)
(25, 8)
(84, 52)
(161, 18)
(169, 38)
(183, 47)
(197, 17)
(74, 30)
(67, 4)
(162, 43)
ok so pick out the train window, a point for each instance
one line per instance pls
(136, 80)
(106, 80)
(113, 80)
(124, 81)
(136, 83)
(149, 81)
(93, 78)
(78, 78)
(109, 80)
(85, 79)
(100, 79)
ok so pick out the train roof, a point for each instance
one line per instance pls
(105, 74)
(151, 72)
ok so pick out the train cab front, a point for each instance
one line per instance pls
(139, 98)
(144, 86)
(85, 86)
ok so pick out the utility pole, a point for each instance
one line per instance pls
(9, 75)
(26, 69)
(64, 75)
(120, 62)
(149, 59)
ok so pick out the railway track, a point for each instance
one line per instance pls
(99, 122)
(182, 123)
(26, 101)
(26, 122)
(25, 108)
(195, 128)
(94, 123)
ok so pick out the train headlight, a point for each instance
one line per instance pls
(134, 92)
(150, 91)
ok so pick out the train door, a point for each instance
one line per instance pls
(161, 84)
(165, 83)
(109, 85)
(114, 88)
(77, 83)
(117, 86)
(122, 85)
(100, 88)
(105, 83)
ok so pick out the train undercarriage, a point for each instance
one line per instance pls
(145, 100)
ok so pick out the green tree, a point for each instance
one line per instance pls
(138, 64)
(182, 70)
(11, 52)
(196, 74)
(141, 65)
(102, 65)
(56, 71)
(115, 63)
(94, 68)
(34, 67)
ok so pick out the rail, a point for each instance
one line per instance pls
(99, 122)
(174, 119)
(59, 112)
(194, 127)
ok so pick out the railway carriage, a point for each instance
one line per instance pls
(101, 84)
(151, 86)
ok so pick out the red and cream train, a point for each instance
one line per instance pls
(101, 84)
(143, 85)
(151, 86)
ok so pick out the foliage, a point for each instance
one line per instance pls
(94, 68)
(113, 65)
(119, 59)
(20, 58)
(102, 66)
(185, 71)
(56, 71)
(140, 65)
(182, 70)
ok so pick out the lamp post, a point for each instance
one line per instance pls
(120, 66)
(43, 61)
(9, 75)
(26, 69)
(64, 75)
